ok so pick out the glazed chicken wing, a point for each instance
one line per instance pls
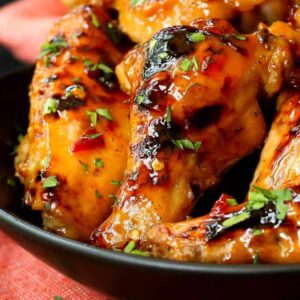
(266, 227)
(75, 149)
(195, 113)
(142, 19)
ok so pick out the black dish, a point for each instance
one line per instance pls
(117, 274)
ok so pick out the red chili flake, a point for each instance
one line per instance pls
(90, 140)
(221, 205)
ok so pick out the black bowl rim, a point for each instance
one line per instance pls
(32, 231)
(29, 230)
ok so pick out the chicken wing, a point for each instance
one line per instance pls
(75, 149)
(195, 113)
(266, 227)
(142, 19)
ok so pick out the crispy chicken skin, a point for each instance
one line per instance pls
(263, 237)
(142, 19)
(195, 113)
(70, 156)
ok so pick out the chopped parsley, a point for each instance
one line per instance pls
(95, 20)
(84, 167)
(93, 117)
(50, 106)
(239, 37)
(93, 136)
(136, 2)
(131, 249)
(98, 194)
(187, 144)
(87, 62)
(187, 64)
(105, 68)
(256, 259)
(57, 298)
(257, 231)
(50, 182)
(236, 219)
(11, 181)
(46, 162)
(236, 36)
(116, 182)
(47, 206)
(169, 116)
(232, 202)
(98, 163)
(105, 113)
(140, 99)
(101, 66)
(54, 47)
(152, 44)
(259, 197)
(196, 37)
(163, 55)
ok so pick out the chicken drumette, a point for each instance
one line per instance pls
(266, 227)
(75, 151)
(195, 113)
(141, 19)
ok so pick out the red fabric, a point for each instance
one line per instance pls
(23, 277)
(24, 25)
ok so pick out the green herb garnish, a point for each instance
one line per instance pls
(84, 167)
(259, 197)
(50, 182)
(136, 2)
(188, 64)
(239, 37)
(196, 37)
(257, 231)
(47, 206)
(93, 136)
(105, 68)
(185, 65)
(11, 181)
(46, 162)
(152, 44)
(95, 20)
(54, 47)
(256, 259)
(98, 163)
(98, 194)
(169, 115)
(50, 106)
(236, 219)
(93, 117)
(116, 182)
(131, 249)
(105, 113)
(163, 55)
(187, 144)
(232, 202)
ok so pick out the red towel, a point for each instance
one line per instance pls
(24, 25)
(23, 277)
